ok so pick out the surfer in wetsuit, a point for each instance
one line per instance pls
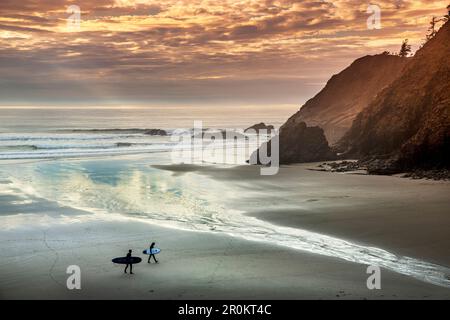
(129, 264)
(151, 254)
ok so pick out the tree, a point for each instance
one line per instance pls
(432, 29)
(405, 49)
(447, 16)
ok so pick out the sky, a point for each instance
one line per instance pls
(192, 52)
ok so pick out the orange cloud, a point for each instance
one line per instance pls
(191, 49)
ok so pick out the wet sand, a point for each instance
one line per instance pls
(191, 265)
(39, 241)
(408, 217)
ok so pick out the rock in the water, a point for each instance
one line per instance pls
(155, 132)
(299, 143)
(123, 144)
(260, 126)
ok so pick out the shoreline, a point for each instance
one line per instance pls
(202, 265)
(352, 166)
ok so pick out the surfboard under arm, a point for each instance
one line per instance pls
(154, 251)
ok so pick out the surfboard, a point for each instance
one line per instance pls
(154, 251)
(125, 260)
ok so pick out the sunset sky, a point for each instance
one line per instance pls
(192, 52)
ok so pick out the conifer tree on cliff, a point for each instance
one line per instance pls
(405, 49)
(432, 29)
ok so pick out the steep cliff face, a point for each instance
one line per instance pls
(408, 123)
(325, 118)
(348, 93)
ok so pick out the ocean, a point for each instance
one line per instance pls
(39, 133)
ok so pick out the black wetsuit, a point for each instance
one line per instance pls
(151, 254)
(129, 264)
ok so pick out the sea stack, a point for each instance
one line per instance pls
(299, 143)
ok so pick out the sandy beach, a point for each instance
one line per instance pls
(40, 238)
(192, 266)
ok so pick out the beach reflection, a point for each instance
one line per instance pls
(188, 200)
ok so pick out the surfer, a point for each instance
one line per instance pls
(151, 253)
(129, 264)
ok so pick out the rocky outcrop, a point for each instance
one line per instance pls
(152, 132)
(155, 132)
(299, 143)
(213, 134)
(407, 126)
(260, 126)
(348, 93)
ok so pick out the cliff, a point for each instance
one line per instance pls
(346, 94)
(407, 126)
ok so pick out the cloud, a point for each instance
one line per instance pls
(250, 51)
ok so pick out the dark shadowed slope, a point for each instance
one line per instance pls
(349, 92)
(409, 122)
